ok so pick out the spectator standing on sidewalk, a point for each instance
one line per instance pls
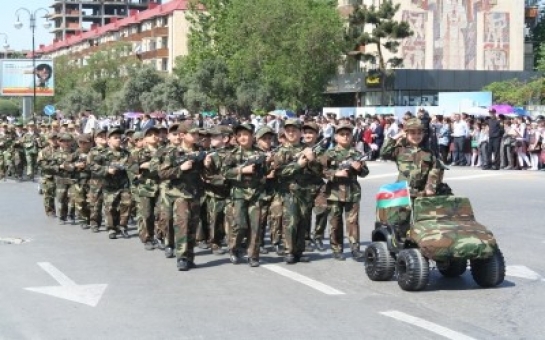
(460, 131)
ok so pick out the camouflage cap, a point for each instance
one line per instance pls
(245, 126)
(65, 137)
(138, 135)
(85, 138)
(99, 131)
(312, 126)
(292, 122)
(193, 129)
(18, 124)
(263, 131)
(344, 126)
(30, 124)
(129, 132)
(215, 131)
(226, 130)
(182, 128)
(413, 124)
(204, 132)
(148, 130)
(55, 124)
(52, 135)
(281, 133)
(173, 128)
(114, 131)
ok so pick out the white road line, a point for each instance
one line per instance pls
(427, 325)
(447, 179)
(62, 279)
(303, 279)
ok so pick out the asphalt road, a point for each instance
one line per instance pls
(145, 297)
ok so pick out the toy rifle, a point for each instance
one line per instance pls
(347, 163)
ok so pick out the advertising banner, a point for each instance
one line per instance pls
(17, 78)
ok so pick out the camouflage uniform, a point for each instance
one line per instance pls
(4, 143)
(63, 177)
(297, 186)
(245, 206)
(147, 191)
(416, 165)
(185, 189)
(80, 189)
(95, 162)
(45, 161)
(17, 156)
(343, 195)
(117, 196)
(30, 142)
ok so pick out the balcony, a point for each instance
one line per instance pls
(154, 54)
(160, 31)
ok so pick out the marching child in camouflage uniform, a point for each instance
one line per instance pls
(95, 198)
(342, 166)
(45, 158)
(117, 197)
(63, 177)
(185, 188)
(77, 165)
(245, 167)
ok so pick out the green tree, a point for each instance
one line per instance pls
(384, 36)
(8, 108)
(274, 53)
(139, 81)
(165, 96)
(80, 99)
(68, 76)
(516, 92)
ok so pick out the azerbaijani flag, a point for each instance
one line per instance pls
(393, 195)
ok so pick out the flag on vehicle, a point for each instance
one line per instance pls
(393, 195)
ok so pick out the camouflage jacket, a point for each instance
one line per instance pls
(5, 142)
(342, 189)
(155, 163)
(184, 184)
(146, 180)
(96, 159)
(45, 161)
(31, 142)
(291, 176)
(216, 185)
(416, 165)
(61, 157)
(81, 175)
(246, 187)
(112, 159)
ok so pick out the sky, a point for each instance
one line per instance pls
(22, 39)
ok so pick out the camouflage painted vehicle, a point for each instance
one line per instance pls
(443, 229)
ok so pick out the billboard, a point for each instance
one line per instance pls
(18, 74)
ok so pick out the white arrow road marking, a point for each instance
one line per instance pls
(322, 287)
(427, 325)
(523, 272)
(86, 294)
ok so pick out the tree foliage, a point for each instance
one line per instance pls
(261, 53)
(516, 92)
(385, 34)
(79, 99)
(8, 107)
(139, 81)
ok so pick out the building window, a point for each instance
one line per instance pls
(164, 64)
(164, 42)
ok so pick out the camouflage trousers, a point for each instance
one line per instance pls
(165, 227)
(49, 192)
(186, 221)
(117, 206)
(321, 211)
(296, 216)
(244, 221)
(62, 188)
(203, 230)
(264, 217)
(79, 192)
(146, 217)
(135, 205)
(3, 166)
(396, 216)
(216, 220)
(17, 164)
(351, 212)
(8, 164)
(30, 160)
(275, 219)
(95, 199)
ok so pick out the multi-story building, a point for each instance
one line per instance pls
(457, 45)
(157, 36)
(70, 17)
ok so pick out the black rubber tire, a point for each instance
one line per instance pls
(452, 268)
(489, 272)
(379, 263)
(412, 270)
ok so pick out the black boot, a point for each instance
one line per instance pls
(183, 265)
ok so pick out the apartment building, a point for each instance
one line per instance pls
(73, 16)
(157, 36)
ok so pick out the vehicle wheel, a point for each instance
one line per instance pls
(452, 268)
(379, 263)
(489, 272)
(412, 270)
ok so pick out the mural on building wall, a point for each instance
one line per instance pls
(414, 48)
(455, 38)
(496, 41)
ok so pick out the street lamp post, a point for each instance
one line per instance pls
(6, 45)
(32, 25)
